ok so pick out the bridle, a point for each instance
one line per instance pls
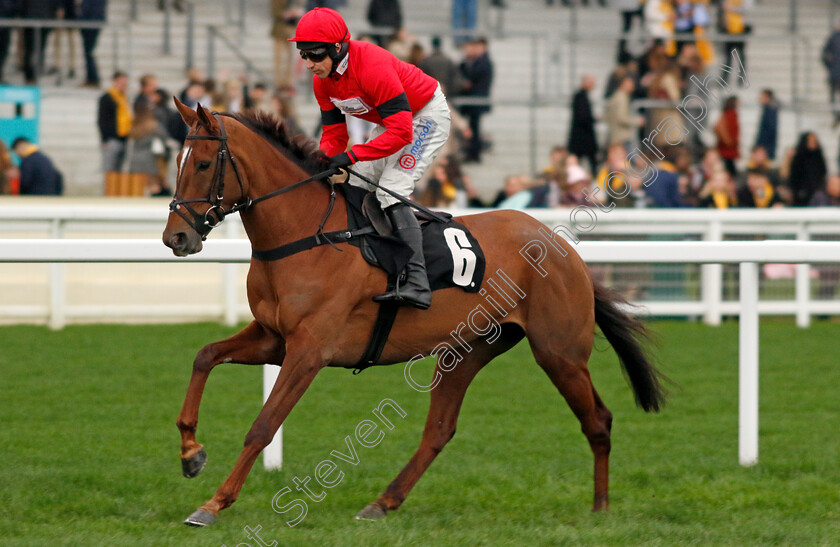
(203, 223)
(216, 213)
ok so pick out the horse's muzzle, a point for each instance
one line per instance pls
(182, 243)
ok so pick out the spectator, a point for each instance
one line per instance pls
(830, 197)
(702, 19)
(449, 186)
(38, 174)
(114, 119)
(693, 74)
(7, 168)
(760, 163)
(284, 17)
(620, 122)
(662, 188)
(282, 106)
(758, 192)
(629, 10)
(582, 141)
(477, 70)
(683, 22)
(66, 12)
(147, 151)
(8, 10)
(728, 134)
(194, 94)
(517, 192)
(577, 181)
(768, 125)
(148, 91)
(735, 14)
(659, 21)
(91, 11)
(718, 192)
(440, 67)
(35, 40)
(400, 45)
(384, 15)
(463, 20)
(665, 87)
(257, 97)
(807, 170)
(831, 60)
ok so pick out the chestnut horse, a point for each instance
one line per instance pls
(314, 309)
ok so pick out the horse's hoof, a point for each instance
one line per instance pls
(200, 518)
(191, 467)
(371, 512)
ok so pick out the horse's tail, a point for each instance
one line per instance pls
(626, 333)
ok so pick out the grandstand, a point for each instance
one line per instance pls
(540, 52)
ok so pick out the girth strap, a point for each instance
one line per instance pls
(379, 336)
(339, 236)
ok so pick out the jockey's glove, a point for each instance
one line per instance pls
(340, 161)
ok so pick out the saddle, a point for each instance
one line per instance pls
(453, 256)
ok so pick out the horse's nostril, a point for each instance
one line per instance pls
(178, 240)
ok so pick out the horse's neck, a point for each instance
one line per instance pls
(290, 216)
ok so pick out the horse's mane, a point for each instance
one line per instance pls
(299, 148)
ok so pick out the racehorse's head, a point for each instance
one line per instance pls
(208, 185)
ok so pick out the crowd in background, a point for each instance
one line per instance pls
(140, 135)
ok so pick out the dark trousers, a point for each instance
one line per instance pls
(474, 145)
(34, 42)
(89, 39)
(728, 47)
(835, 92)
(627, 24)
(5, 39)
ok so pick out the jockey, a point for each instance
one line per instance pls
(363, 80)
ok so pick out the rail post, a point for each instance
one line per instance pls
(748, 365)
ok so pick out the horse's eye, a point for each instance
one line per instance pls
(203, 166)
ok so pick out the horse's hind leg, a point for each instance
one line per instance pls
(569, 373)
(446, 399)
(253, 345)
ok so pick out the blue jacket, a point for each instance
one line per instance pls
(665, 190)
(38, 176)
(768, 129)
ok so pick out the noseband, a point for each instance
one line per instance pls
(203, 223)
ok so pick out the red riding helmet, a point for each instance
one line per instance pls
(320, 26)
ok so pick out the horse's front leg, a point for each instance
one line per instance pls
(253, 345)
(303, 361)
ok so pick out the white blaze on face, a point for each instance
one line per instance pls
(185, 152)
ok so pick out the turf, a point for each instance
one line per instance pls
(90, 449)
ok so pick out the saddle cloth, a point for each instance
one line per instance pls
(453, 256)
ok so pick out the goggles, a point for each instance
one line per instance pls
(315, 55)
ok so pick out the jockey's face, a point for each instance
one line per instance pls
(320, 68)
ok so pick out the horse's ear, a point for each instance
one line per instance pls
(207, 120)
(187, 113)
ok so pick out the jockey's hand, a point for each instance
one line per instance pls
(340, 161)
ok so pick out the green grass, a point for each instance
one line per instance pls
(90, 449)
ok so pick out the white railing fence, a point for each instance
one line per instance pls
(65, 294)
(747, 254)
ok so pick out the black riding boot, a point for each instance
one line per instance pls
(415, 291)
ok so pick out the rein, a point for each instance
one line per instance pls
(216, 213)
